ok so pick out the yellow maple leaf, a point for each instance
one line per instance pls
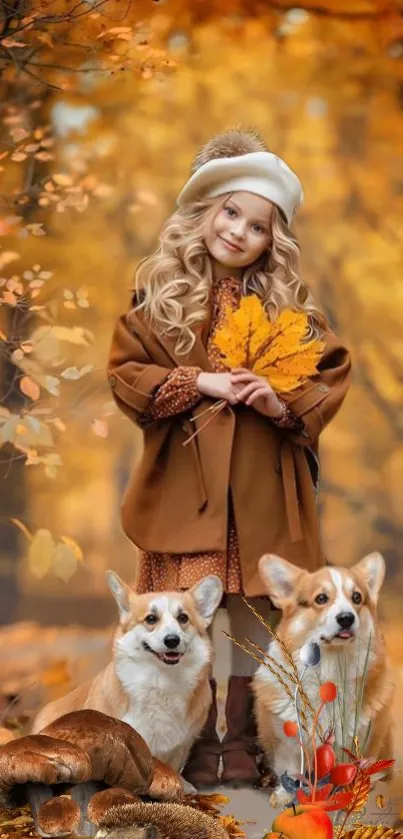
(277, 351)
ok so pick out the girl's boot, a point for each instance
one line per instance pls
(202, 765)
(239, 749)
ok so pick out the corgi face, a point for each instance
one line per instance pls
(163, 626)
(332, 606)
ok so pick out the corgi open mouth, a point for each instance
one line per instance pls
(343, 635)
(168, 657)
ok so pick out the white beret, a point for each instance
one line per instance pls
(262, 173)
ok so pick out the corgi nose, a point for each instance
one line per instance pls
(172, 641)
(345, 619)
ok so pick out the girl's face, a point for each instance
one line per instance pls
(240, 232)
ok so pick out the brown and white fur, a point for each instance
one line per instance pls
(158, 679)
(336, 608)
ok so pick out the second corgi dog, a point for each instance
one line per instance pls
(336, 608)
(158, 679)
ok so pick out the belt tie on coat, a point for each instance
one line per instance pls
(290, 490)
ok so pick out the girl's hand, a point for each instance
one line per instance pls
(257, 392)
(219, 386)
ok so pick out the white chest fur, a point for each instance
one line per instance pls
(159, 701)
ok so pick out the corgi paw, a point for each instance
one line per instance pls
(279, 797)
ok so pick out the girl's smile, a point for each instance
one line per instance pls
(230, 246)
(240, 232)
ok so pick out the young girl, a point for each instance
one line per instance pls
(246, 484)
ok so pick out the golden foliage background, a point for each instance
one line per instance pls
(324, 86)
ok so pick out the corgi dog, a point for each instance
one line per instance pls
(158, 679)
(334, 607)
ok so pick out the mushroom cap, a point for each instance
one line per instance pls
(59, 816)
(44, 760)
(119, 755)
(105, 799)
(167, 784)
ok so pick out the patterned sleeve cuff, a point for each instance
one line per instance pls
(288, 420)
(178, 393)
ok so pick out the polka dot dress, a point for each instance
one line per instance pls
(159, 571)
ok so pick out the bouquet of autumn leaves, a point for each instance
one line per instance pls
(277, 351)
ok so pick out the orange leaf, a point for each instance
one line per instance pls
(11, 42)
(378, 766)
(10, 298)
(30, 388)
(360, 790)
(43, 155)
(62, 180)
(8, 256)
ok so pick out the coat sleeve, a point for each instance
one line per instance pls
(144, 391)
(132, 375)
(318, 400)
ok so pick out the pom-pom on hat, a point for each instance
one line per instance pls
(238, 160)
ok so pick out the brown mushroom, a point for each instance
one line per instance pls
(167, 784)
(107, 798)
(119, 756)
(32, 765)
(59, 816)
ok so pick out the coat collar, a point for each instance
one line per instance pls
(197, 357)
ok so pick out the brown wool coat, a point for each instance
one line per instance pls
(177, 499)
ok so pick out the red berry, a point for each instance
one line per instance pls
(343, 774)
(290, 728)
(328, 692)
(326, 759)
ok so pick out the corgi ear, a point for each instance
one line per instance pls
(373, 568)
(207, 595)
(279, 577)
(120, 592)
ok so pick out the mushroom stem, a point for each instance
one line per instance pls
(36, 795)
(81, 793)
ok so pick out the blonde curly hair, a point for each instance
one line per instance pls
(173, 285)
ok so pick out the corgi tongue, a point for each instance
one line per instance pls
(344, 633)
(171, 658)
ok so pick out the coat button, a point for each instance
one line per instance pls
(112, 381)
(324, 388)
